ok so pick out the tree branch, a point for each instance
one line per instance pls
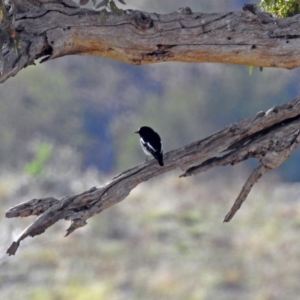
(52, 29)
(270, 137)
(270, 160)
(254, 177)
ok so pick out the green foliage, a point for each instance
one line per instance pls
(111, 6)
(104, 4)
(250, 70)
(103, 16)
(37, 166)
(281, 8)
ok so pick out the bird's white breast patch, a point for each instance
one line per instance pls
(144, 146)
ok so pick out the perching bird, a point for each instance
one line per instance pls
(151, 143)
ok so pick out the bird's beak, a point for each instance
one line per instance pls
(136, 132)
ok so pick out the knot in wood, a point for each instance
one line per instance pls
(185, 10)
(143, 21)
(260, 114)
(250, 7)
(273, 159)
(273, 110)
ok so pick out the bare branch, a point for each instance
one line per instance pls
(270, 137)
(272, 148)
(51, 29)
(254, 177)
(270, 160)
(35, 207)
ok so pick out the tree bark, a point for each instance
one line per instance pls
(268, 136)
(55, 28)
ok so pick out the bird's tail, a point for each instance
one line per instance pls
(160, 160)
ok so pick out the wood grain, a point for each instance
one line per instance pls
(269, 137)
(52, 29)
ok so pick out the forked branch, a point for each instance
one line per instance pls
(270, 137)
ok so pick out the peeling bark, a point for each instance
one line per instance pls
(56, 28)
(269, 137)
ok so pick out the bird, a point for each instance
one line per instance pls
(151, 143)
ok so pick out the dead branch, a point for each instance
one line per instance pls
(270, 137)
(254, 177)
(50, 29)
(272, 159)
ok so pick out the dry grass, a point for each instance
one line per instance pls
(166, 241)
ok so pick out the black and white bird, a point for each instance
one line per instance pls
(151, 143)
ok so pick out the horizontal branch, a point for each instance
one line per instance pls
(53, 29)
(270, 137)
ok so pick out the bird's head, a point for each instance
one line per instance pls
(144, 130)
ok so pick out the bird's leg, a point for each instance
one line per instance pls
(146, 157)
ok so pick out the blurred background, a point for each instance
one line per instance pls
(68, 124)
